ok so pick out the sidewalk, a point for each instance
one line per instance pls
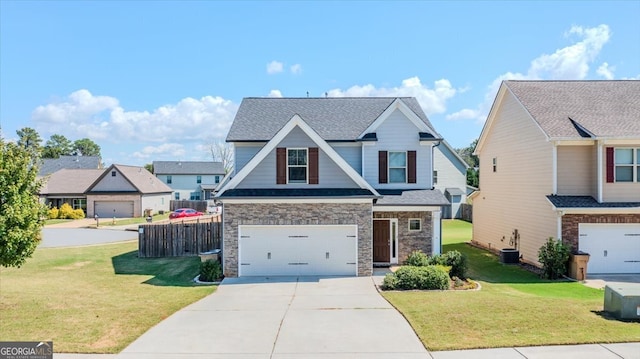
(585, 351)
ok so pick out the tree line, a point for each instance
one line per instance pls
(56, 145)
(473, 172)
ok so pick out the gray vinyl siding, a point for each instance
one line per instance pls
(244, 153)
(451, 174)
(398, 133)
(330, 175)
(115, 183)
(351, 154)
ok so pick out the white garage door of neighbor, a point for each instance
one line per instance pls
(297, 250)
(613, 248)
(108, 209)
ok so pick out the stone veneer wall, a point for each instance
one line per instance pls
(570, 224)
(409, 241)
(297, 214)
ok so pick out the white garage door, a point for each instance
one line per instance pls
(613, 248)
(108, 209)
(297, 250)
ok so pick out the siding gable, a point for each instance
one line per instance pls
(117, 183)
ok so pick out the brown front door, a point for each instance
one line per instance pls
(381, 235)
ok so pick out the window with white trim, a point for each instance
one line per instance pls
(297, 165)
(397, 167)
(198, 179)
(627, 164)
(415, 224)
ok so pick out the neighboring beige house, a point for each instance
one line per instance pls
(118, 191)
(561, 159)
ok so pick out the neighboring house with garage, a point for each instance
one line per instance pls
(329, 186)
(190, 180)
(450, 177)
(561, 159)
(118, 191)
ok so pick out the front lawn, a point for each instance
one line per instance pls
(514, 307)
(94, 299)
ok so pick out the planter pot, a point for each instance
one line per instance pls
(509, 256)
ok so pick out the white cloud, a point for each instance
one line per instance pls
(606, 71)
(101, 119)
(296, 69)
(173, 150)
(275, 93)
(433, 100)
(568, 63)
(274, 67)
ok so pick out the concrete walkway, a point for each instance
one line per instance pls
(285, 317)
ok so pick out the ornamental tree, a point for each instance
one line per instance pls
(21, 213)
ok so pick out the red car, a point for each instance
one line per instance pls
(184, 212)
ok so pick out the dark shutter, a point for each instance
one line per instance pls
(411, 166)
(281, 165)
(382, 166)
(610, 165)
(313, 165)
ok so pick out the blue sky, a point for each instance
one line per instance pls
(162, 80)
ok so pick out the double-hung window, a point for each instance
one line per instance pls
(397, 167)
(297, 165)
(198, 179)
(627, 164)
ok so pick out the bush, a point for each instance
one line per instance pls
(417, 259)
(77, 214)
(66, 212)
(457, 261)
(553, 256)
(412, 277)
(210, 271)
(54, 213)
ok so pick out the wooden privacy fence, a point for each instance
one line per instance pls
(200, 206)
(178, 239)
(466, 212)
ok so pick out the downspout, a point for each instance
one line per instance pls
(439, 215)
(432, 160)
(599, 171)
(554, 169)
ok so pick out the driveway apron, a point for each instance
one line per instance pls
(284, 317)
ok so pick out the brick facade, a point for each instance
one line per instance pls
(570, 224)
(409, 241)
(298, 214)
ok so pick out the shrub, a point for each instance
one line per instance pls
(412, 277)
(54, 213)
(77, 214)
(65, 211)
(417, 259)
(553, 256)
(457, 261)
(210, 271)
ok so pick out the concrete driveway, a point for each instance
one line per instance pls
(284, 317)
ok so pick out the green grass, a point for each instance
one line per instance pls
(94, 299)
(56, 221)
(139, 220)
(514, 307)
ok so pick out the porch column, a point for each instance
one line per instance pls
(436, 242)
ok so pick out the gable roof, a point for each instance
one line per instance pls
(333, 118)
(295, 121)
(70, 181)
(579, 109)
(51, 165)
(141, 179)
(188, 167)
(462, 165)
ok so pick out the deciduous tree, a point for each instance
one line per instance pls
(222, 152)
(21, 213)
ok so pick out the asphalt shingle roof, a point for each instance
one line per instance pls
(603, 108)
(188, 167)
(333, 118)
(422, 197)
(70, 181)
(587, 202)
(51, 165)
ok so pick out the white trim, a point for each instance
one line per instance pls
(406, 167)
(559, 225)
(554, 168)
(306, 166)
(599, 171)
(419, 224)
(436, 240)
(616, 210)
(406, 208)
(397, 104)
(296, 121)
(393, 232)
(296, 200)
